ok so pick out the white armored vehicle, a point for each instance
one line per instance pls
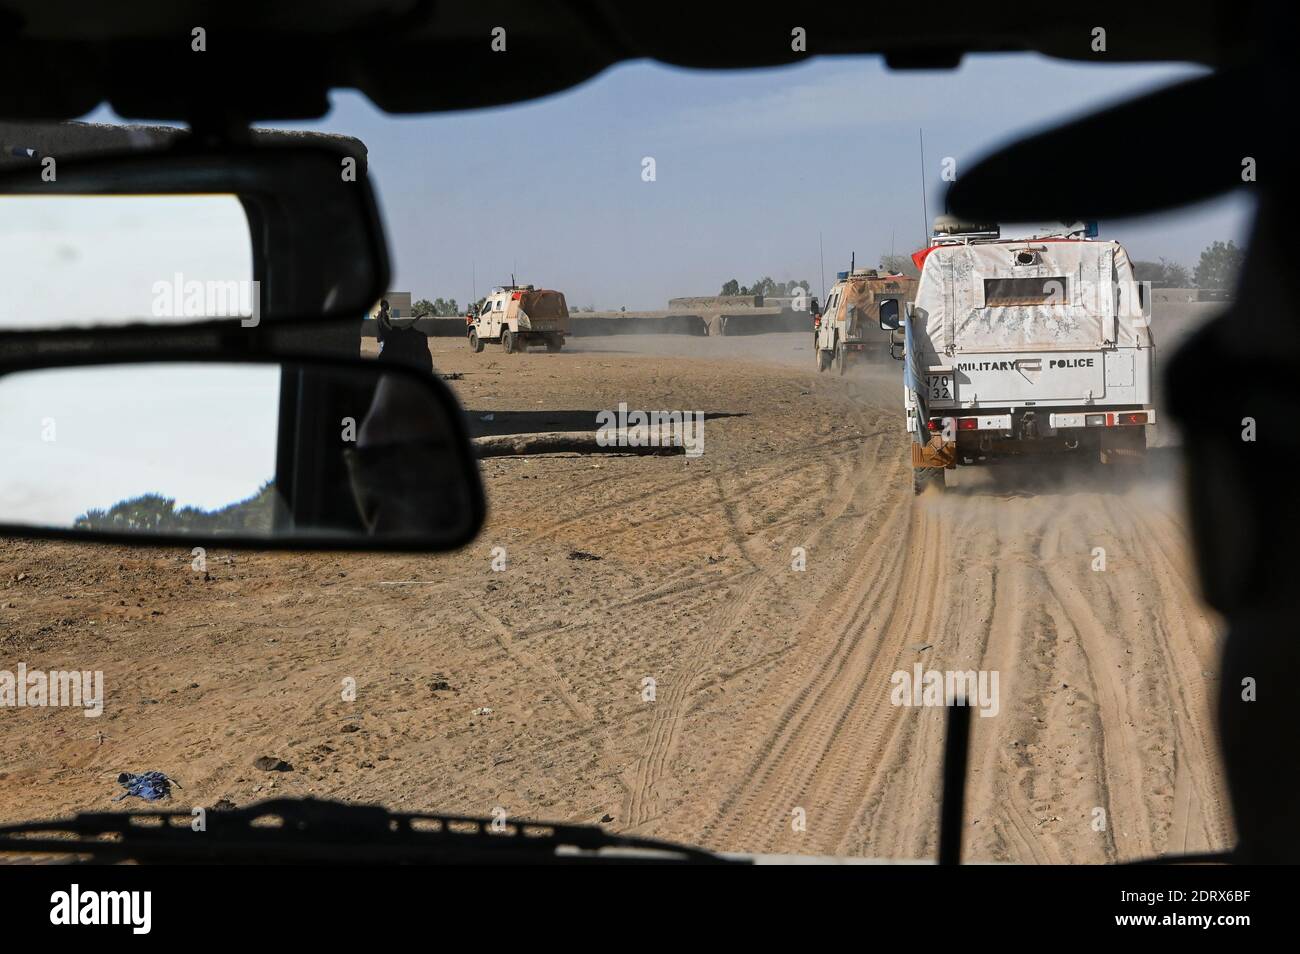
(1022, 346)
(519, 316)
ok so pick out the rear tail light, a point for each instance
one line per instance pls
(1137, 417)
(968, 423)
(933, 424)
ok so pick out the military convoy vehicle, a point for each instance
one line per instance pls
(847, 330)
(1025, 346)
(520, 316)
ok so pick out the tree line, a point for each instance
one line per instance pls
(155, 513)
(766, 287)
(438, 308)
(1217, 268)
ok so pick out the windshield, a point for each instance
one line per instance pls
(745, 636)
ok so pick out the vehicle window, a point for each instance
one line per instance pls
(729, 582)
(1001, 292)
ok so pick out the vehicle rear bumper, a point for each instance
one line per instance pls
(1054, 421)
(987, 436)
(1125, 417)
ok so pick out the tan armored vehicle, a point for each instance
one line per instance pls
(848, 329)
(519, 316)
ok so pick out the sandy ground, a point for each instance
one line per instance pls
(772, 691)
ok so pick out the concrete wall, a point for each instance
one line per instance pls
(433, 327)
(1160, 295)
(784, 321)
(715, 303)
(586, 324)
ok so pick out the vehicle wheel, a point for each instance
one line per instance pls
(554, 344)
(823, 360)
(475, 344)
(923, 478)
(841, 360)
(951, 477)
(508, 342)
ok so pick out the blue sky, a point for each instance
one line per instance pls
(750, 167)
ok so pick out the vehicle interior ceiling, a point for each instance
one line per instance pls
(302, 51)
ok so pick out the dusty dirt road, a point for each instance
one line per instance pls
(772, 685)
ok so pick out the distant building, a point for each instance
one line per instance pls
(399, 305)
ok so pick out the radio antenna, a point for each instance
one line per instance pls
(821, 255)
(925, 211)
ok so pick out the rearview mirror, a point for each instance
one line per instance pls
(268, 232)
(889, 314)
(307, 453)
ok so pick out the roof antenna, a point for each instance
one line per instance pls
(821, 257)
(925, 210)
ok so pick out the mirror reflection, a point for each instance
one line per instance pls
(294, 453)
(80, 260)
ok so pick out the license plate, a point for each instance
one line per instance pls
(939, 386)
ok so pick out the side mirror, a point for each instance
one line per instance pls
(889, 314)
(299, 453)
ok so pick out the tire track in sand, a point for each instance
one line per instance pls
(642, 803)
(817, 748)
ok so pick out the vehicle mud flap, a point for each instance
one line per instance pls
(1123, 445)
(930, 461)
(934, 453)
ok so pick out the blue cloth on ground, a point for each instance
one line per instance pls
(151, 786)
